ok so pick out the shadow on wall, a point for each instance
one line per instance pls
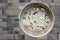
(3, 1)
(22, 1)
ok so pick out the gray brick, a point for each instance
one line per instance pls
(16, 36)
(55, 30)
(59, 37)
(32, 38)
(16, 12)
(10, 32)
(1, 37)
(52, 36)
(58, 30)
(16, 29)
(57, 1)
(14, 18)
(36, 0)
(42, 38)
(21, 32)
(45, 1)
(5, 29)
(28, 37)
(57, 25)
(4, 32)
(57, 22)
(56, 9)
(8, 36)
(11, 12)
(3, 24)
(2, 4)
(2, 17)
(13, 24)
(7, 20)
(3, 1)
(21, 6)
(0, 30)
(13, 1)
(22, 37)
(0, 12)
(12, 7)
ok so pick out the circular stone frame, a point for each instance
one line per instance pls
(46, 7)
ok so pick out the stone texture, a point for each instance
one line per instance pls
(3, 17)
(21, 6)
(57, 22)
(0, 12)
(42, 38)
(0, 19)
(14, 18)
(16, 36)
(52, 36)
(8, 36)
(7, 20)
(22, 37)
(28, 37)
(9, 12)
(4, 32)
(59, 37)
(56, 9)
(55, 30)
(13, 24)
(16, 30)
(57, 1)
(0, 30)
(44, 1)
(3, 24)
(1, 37)
(3, 1)
(13, 1)
(12, 12)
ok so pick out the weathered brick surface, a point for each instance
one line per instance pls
(3, 24)
(13, 24)
(57, 1)
(59, 37)
(9, 22)
(52, 36)
(8, 36)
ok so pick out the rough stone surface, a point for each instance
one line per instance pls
(9, 22)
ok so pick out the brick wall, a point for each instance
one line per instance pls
(9, 22)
